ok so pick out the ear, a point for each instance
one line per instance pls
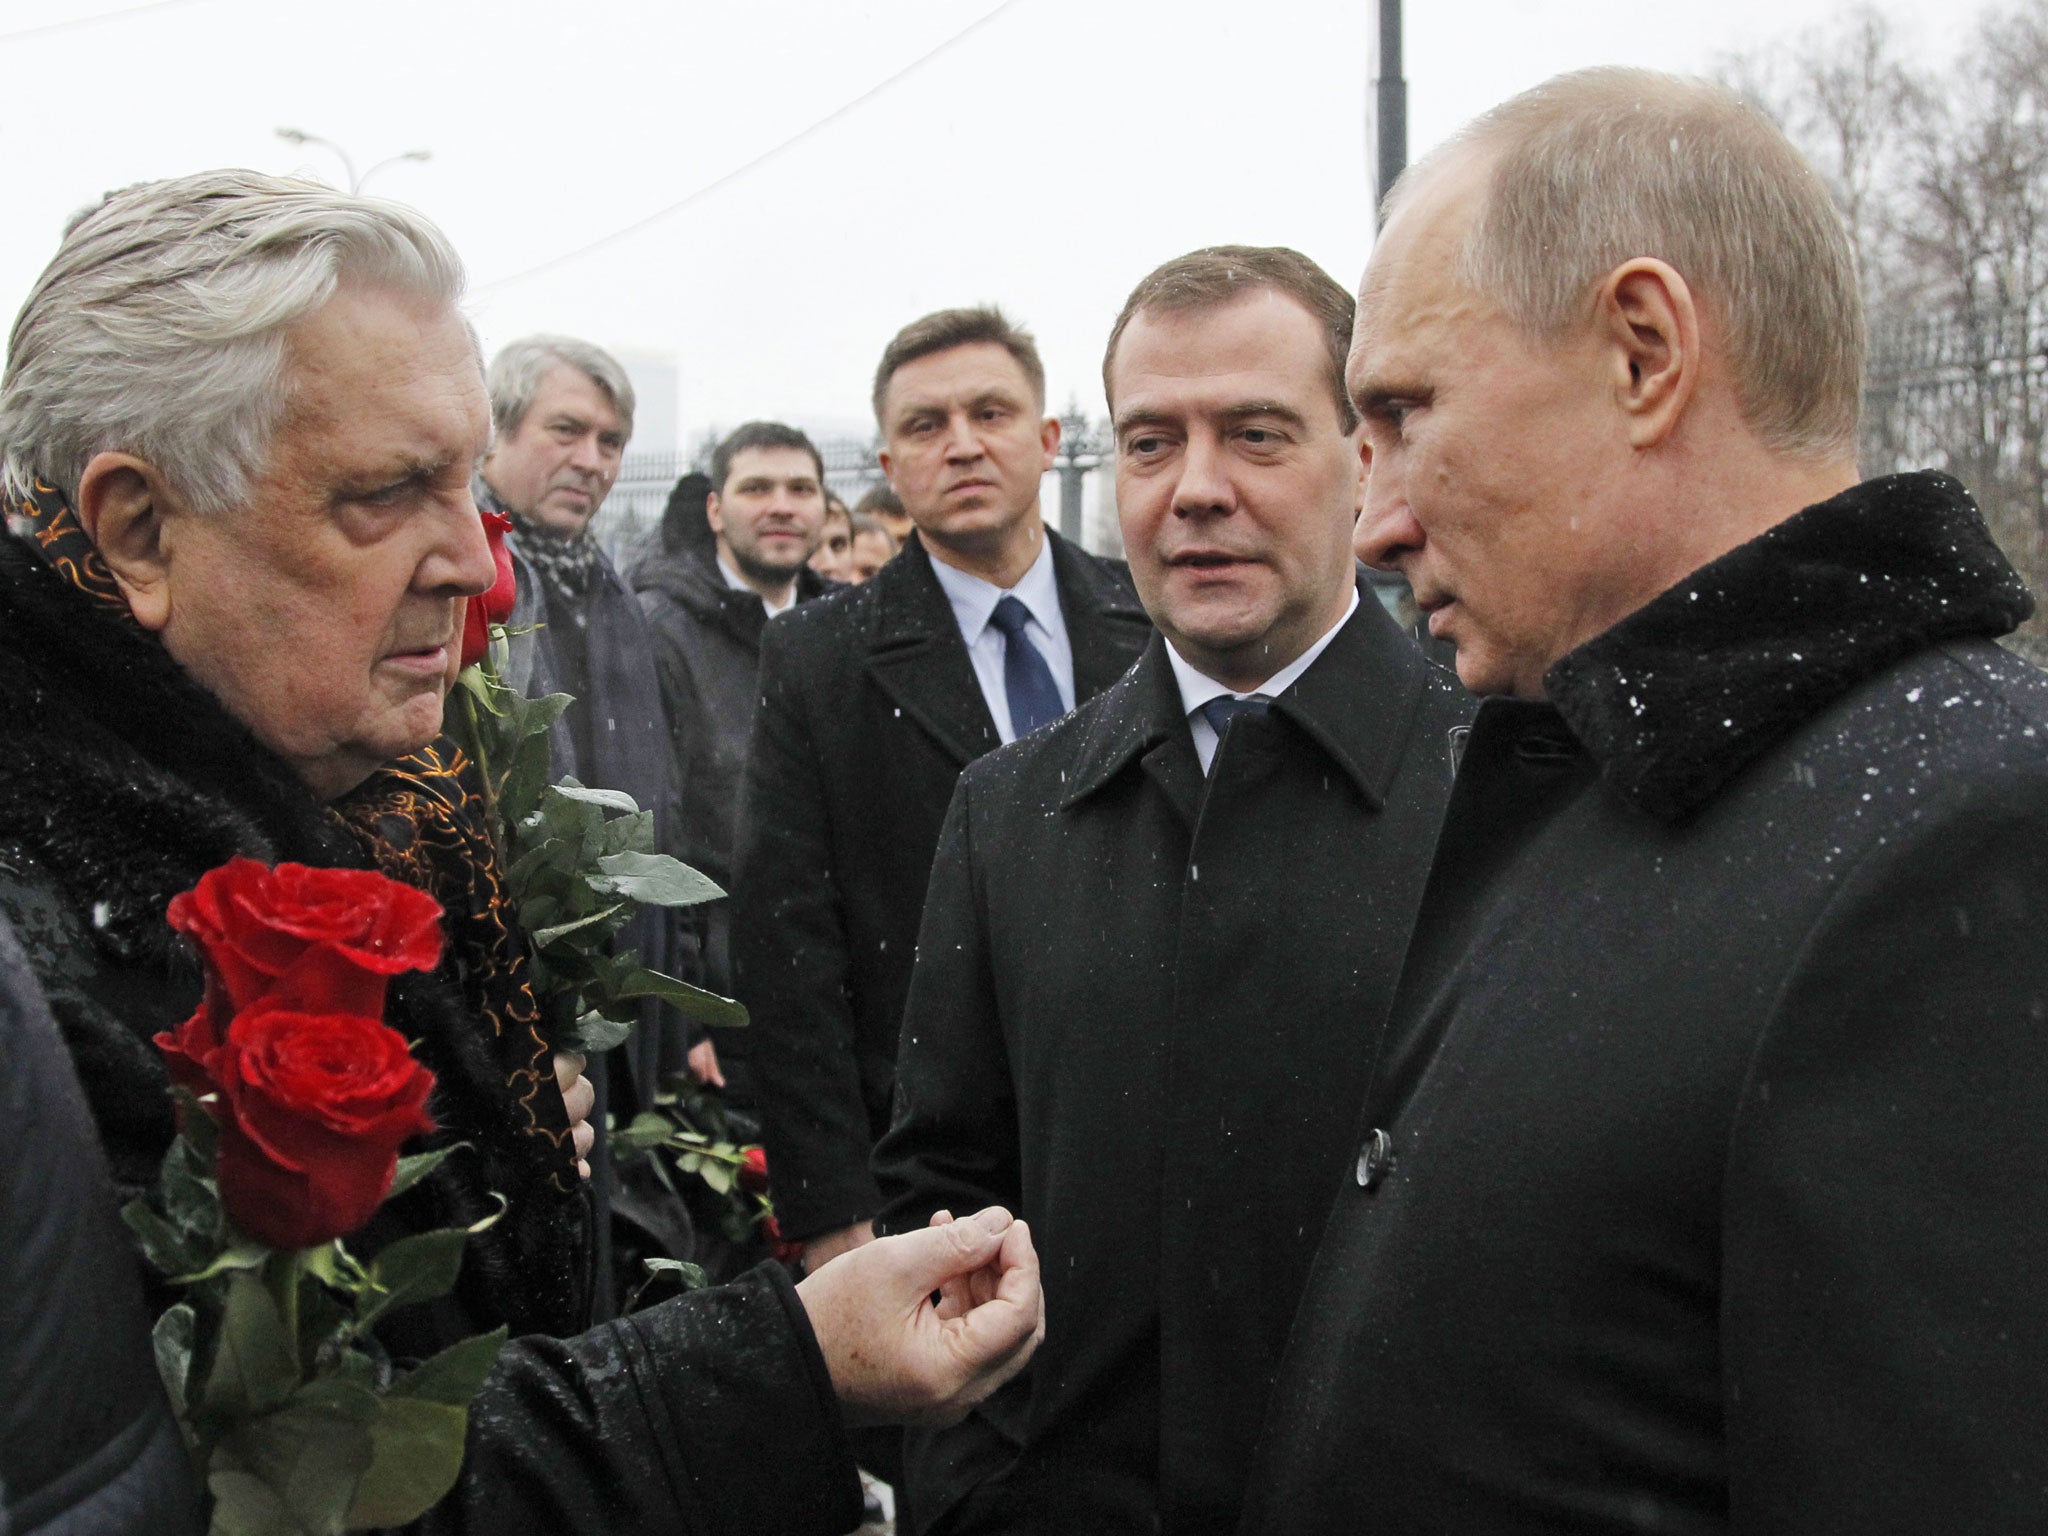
(1646, 314)
(882, 462)
(123, 505)
(1364, 446)
(1049, 439)
(712, 514)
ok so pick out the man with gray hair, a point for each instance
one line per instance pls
(239, 417)
(1698, 1184)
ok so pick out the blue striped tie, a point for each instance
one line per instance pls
(1220, 711)
(1027, 681)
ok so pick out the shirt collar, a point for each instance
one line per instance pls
(1197, 689)
(974, 599)
(734, 581)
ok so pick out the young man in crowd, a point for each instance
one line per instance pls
(705, 614)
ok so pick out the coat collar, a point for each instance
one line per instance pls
(1682, 694)
(916, 656)
(1358, 702)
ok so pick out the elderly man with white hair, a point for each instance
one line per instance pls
(1699, 1184)
(240, 417)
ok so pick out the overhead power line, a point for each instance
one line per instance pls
(752, 165)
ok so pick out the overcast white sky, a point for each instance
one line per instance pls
(1045, 157)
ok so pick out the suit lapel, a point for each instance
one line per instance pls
(916, 657)
(1105, 626)
(1360, 698)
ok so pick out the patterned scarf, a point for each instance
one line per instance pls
(421, 820)
(44, 521)
(566, 565)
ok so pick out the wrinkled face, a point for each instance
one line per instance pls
(770, 514)
(1236, 483)
(1499, 483)
(966, 443)
(326, 613)
(559, 463)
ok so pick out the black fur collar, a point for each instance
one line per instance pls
(122, 781)
(1689, 689)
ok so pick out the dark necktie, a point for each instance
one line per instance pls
(1027, 681)
(1223, 709)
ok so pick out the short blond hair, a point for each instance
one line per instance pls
(1593, 168)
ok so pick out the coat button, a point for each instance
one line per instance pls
(1374, 1159)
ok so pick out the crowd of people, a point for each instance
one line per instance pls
(1595, 1088)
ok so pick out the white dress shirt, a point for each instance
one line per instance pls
(1197, 689)
(974, 604)
(733, 580)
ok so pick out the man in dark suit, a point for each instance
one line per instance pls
(1161, 936)
(1700, 1186)
(872, 701)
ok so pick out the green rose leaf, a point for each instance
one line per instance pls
(707, 1008)
(310, 1455)
(412, 1169)
(172, 1339)
(416, 1268)
(191, 1198)
(608, 799)
(592, 1034)
(245, 1505)
(547, 936)
(255, 1362)
(243, 1255)
(417, 1454)
(165, 1246)
(647, 1130)
(654, 879)
(453, 1376)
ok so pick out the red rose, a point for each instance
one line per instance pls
(189, 1052)
(323, 940)
(495, 606)
(313, 1108)
(754, 1169)
(779, 1247)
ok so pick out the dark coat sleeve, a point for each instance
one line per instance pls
(712, 1413)
(953, 1143)
(790, 954)
(1885, 1342)
(87, 1440)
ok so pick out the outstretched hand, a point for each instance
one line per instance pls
(896, 1355)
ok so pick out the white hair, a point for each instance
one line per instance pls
(1593, 168)
(517, 370)
(159, 327)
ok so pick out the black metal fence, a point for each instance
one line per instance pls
(1968, 392)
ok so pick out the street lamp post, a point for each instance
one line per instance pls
(1391, 137)
(1079, 452)
(355, 182)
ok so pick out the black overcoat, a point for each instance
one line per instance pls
(869, 710)
(121, 782)
(1143, 1013)
(706, 637)
(1713, 1193)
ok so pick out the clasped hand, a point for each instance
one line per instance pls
(896, 1354)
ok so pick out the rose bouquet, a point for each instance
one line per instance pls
(580, 861)
(294, 1101)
